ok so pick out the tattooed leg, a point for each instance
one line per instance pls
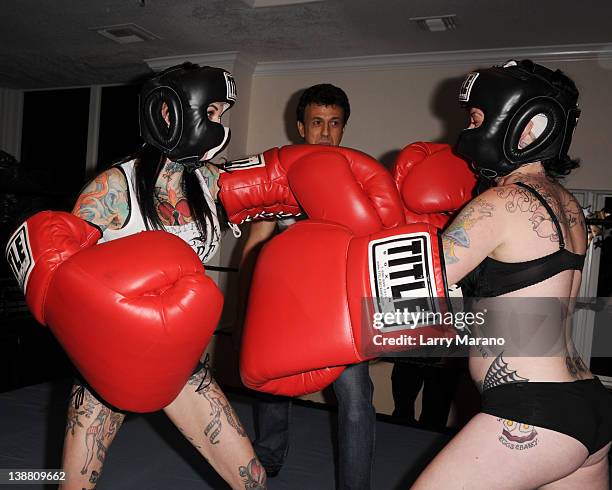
(93, 438)
(493, 452)
(254, 475)
(90, 428)
(221, 411)
(207, 420)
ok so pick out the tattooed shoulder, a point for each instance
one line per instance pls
(105, 200)
(519, 200)
(457, 233)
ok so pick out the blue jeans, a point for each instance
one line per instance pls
(356, 428)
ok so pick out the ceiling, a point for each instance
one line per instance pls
(47, 43)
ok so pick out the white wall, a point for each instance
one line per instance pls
(592, 141)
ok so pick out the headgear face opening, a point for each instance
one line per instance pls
(510, 96)
(188, 90)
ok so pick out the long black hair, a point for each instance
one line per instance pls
(149, 162)
(557, 168)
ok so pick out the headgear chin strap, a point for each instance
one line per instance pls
(187, 90)
(510, 96)
(213, 151)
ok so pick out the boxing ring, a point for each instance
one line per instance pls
(149, 452)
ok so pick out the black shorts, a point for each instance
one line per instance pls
(580, 409)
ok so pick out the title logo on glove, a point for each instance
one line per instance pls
(402, 276)
(19, 255)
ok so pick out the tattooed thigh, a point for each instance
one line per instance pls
(221, 412)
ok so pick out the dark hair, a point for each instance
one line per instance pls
(148, 165)
(556, 168)
(323, 94)
(562, 166)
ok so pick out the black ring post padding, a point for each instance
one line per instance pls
(220, 268)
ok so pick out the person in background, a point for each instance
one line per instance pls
(322, 113)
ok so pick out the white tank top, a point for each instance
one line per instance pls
(205, 248)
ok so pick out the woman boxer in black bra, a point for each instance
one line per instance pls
(545, 421)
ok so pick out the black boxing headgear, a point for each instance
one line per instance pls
(510, 96)
(188, 90)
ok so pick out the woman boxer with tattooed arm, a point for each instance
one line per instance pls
(160, 188)
(545, 419)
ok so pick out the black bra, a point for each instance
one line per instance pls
(494, 278)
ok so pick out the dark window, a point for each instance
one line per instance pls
(119, 130)
(49, 176)
(54, 144)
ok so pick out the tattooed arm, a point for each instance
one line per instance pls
(104, 201)
(476, 231)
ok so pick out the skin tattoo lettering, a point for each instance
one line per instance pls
(517, 436)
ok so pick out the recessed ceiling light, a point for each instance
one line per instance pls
(436, 23)
(275, 3)
(125, 33)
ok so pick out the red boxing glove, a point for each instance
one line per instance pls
(311, 316)
(433, 182)
(39, 246)
(257, 188)
(133, 323)
(333, 183)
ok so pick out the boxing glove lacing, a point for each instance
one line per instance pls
(206, 368)
(77, 396)
(235, 229)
